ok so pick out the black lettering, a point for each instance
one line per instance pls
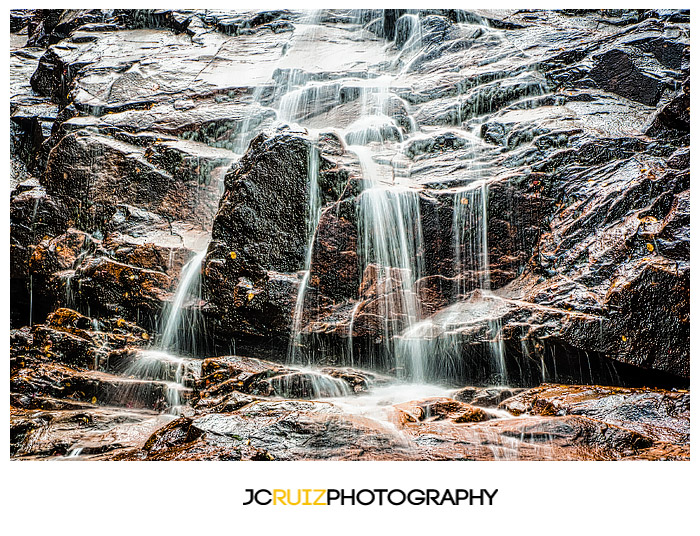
(419, 500)
(332, 495)
(381, 493)
(366, 491)
(344, 496)
(461, 495)
(491, 495)
(447, 497)
(474, 496)
(395, 501)
(432, 494)
(257, 498)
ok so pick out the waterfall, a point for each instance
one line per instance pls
(312, 219)
(391, 245)
(180, 330)
(471, 251)
(160, 368)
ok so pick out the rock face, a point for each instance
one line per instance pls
(439, 195)
(586, 220)
(259, 235)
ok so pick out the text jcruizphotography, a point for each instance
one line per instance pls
(366, 497)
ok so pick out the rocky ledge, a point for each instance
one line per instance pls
(252, 409)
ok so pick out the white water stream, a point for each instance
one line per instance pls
(388, 212)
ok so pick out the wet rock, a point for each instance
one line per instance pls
(553, 438)
(615, 71)
(581, 132)
(260, 235)
(438, 409)
(309, 385)
(443, 142)
(84, 432)
(359, 380)
(224, 378)
(224, 404)
(334, 262)
(19, 19)
(31, 116)
(60, 253)
(76, 269)
(123, 289)
(383, 308)
(483, 99)
(434, 293)
(260, 228)
(673, 238)
(489, 397)
(653, 283)
(674, 118)
(124, 173)
(304, 430)
(234, 24)
(75, 349)
(175, 433)
(33, 216)
(59, 381)
(658, 414)
(668, 52)
(73, 339)
(262, 214)
(431, 429)
(206, 447)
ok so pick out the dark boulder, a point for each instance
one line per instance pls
(615, 71)
(260, 235)
(674, 118)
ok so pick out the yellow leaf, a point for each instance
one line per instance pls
(250, 296)
(93, 400)
(232, 254)
(650, 247)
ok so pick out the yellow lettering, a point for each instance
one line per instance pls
(306, 497)
(322, 493)
(289, 497)
(279, 494)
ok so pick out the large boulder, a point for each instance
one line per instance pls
(261, 233)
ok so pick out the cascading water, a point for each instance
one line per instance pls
(390, 249)
(389, 216)
(391, 243)
(387, 146)
(181, 330)
(470, 229)
(313, 217)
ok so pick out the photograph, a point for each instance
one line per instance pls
(342, 234)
